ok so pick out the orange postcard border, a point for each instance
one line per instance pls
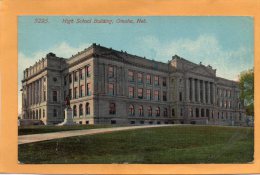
(9, 12)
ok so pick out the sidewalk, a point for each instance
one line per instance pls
(23, 139)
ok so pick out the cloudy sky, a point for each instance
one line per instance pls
(226, 43)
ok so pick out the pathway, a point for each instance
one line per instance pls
(23, 139)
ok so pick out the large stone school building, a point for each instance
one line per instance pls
(114, 87)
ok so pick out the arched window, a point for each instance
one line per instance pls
(87, 109)
(157, 111)
(80, 110)
(141, 111)
(40, 116)
(74, 111)
(33, 115)
(36, 114)
(150, 111)
(165, 112)
(131, 110)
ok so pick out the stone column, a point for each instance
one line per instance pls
(204, 91)
(209, 102)
(187, 90)
(193, 90)
(198, 90)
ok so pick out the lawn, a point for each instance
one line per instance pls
(172, 144)
(25, 130)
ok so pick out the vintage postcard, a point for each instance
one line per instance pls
(167, 89)
(124, 94)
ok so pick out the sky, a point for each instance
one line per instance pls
(226, 43)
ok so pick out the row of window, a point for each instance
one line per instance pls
(224, 92)
(79, 74)
(140, 93)
(148, 78)
(206, 113)
(36, 114)
(131, 111)
(80, 110)
(79, 92)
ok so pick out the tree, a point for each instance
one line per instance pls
(246, 83)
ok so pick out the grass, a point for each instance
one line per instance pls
(168, 145)
(26, 130)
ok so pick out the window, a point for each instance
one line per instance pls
(54, 96)
(148, 94)
(44, 95)
(156, 80)
(207, 112)
(165, 112)
(150, 112)
(64, 94)
(181, 112)
(70, 93)
(229, 104)
(110, 71)
(131, 110)
(131, 92)
(180, 96)
(88, 69)
(54, 113)
(157, 111)
(81, 74)
(112, 108)
(74, 111)
(130, 76)
(197, 112)
(76, 76)
(87, 109)
(202, 112)
(225, 104)
(164, 81)
(173, 112)
(148, 79)
(88, 89)
(140, 78)
(40, 116)
(141, 111)
(164, 96)
(65, 80)
(80, 110)
(81, 92)
(75, 92)
(156, 95)
(111, 90)
(70, 78)
(43, 113)
(140, 93)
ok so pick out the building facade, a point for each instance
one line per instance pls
(113, 87)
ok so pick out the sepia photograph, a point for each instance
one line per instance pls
(135, 90)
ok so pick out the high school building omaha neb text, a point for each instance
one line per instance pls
(113, 87)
